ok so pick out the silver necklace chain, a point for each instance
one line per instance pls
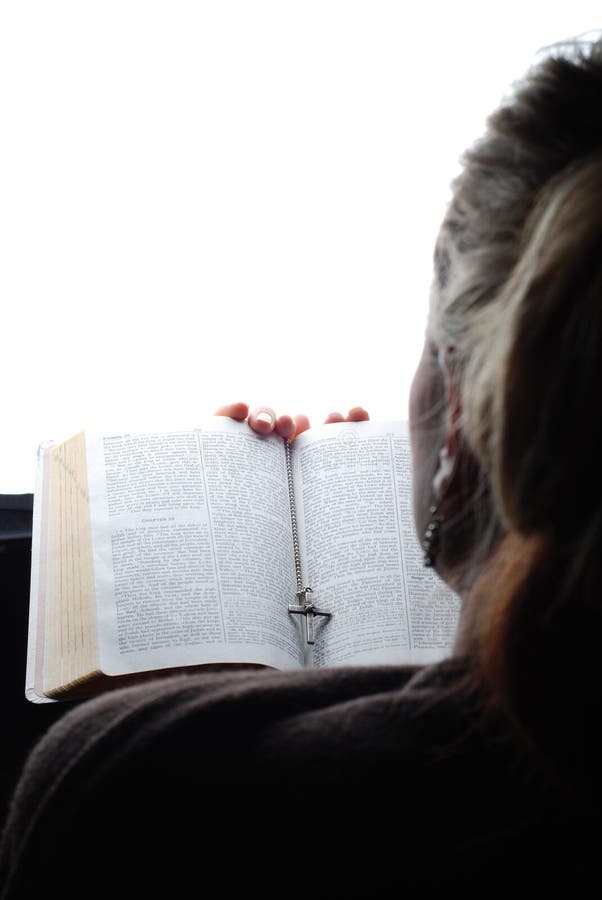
(291, 497)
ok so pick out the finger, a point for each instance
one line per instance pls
(262, 419)
(301, 423)
(334, 417)
(285, 426)
(357, 414)
(237, 411)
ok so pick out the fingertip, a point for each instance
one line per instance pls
(334, 417)
(237, 411)
(301, 423)
(357, 414)
(285, 426)
(262, 419)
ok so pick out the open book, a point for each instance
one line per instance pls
(160, 551)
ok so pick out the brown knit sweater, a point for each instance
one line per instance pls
(338, 782)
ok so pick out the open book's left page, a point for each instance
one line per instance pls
(193, 556)
(156, 551)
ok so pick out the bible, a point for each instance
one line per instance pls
(158, 552)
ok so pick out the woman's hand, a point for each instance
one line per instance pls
(263, 419)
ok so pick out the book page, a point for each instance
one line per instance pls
(360, 552)
(193, 549)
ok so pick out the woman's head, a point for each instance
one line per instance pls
(513, 329)
(514, 361)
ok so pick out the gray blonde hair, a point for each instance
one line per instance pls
(522, 240)
(519, 299)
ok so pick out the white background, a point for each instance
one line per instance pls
(210, 201)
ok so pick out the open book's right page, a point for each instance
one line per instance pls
(360, 552)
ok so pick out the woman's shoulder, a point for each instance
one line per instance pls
(406, 726)
(268, 697)
(389, 760)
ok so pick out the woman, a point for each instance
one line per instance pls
(480, 773)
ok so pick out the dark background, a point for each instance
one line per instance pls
(22, 721)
